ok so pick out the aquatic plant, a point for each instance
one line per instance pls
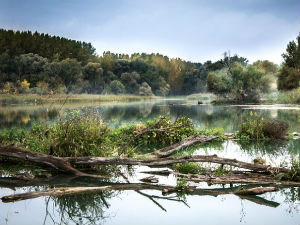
(256, 128)
(189, 167)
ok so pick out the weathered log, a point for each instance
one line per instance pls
(151, 179)
(234, 177)
(187, 142)
(259, 200)
(58, 163)
(173, 160)
(255, 191)
(79, 190)
(64, 163)
(56, 192)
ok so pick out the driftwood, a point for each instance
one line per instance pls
(233, 177)
(187, 142)
(59, 163)
(172, 160)
(255, 191)
(57, 192)
(65, 163)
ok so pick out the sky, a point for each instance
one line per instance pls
(194, 30)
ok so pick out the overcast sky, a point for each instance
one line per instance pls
(196, 30)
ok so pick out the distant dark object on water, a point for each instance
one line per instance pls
(200, 102)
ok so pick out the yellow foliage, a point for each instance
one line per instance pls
(25, 84)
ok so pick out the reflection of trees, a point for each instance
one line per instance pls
(24, 118)
(292, 199)
(272, 148)
(80, 209)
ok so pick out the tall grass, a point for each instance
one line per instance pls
(39, 99)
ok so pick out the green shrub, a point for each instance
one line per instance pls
(252, 128)
(189, 167)
(80, 135)
(159, 136)
(258, 129)
(289, 97)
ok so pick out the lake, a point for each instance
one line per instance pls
(151, 206)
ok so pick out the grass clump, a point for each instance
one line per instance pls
(87, 135)
(189, 167)
(162, 132)
(289, 97)
(293, 174)
(77, 135)
(256, 128)
(181, 184)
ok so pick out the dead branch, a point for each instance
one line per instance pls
(255, 191)
(58, 163)
(187, 142)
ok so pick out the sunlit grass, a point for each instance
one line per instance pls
(38, 99)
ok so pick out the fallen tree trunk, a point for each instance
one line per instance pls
(58, 163)
(255, 191)
(235, 177)
(187, 142)
(173, 160)
(57, 192)
(64, 163)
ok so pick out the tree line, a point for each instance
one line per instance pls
(40, 63)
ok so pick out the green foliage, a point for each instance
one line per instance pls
(288, 78)
(293, 174)
(257, 128)
(289, 97)
(87, 135)
(181, 183)
(252, 128)
(163, 132)
(223, 170)
(145, 90)
(289, 75)
(16, 43)
(115, 87)
(80, 135)
(189, 167)
(218, 83)
(239, 83)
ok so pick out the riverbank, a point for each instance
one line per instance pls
(8, 99)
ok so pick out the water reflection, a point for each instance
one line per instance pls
(227, 117)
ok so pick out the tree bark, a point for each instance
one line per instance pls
(58, 163)
(187, 142)
(255, 191)
(172, 160)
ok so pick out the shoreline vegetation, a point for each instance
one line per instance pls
(283, 97)
(53, 66)
(9, 99)
(84, 146)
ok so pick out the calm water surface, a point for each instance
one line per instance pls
(150, 206)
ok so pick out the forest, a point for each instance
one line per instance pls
(43, 64)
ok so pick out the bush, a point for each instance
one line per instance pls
(80, 135)
(275, 129)
(156, 138)
(189, 167)
(289, 97)
(257, 128)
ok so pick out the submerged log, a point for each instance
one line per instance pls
(187, 142)
(255, 191)
(65, 191)
(173, 160)
(58, 163)
(151, 179)
(65, 163)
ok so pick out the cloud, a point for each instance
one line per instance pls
(195, 30)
